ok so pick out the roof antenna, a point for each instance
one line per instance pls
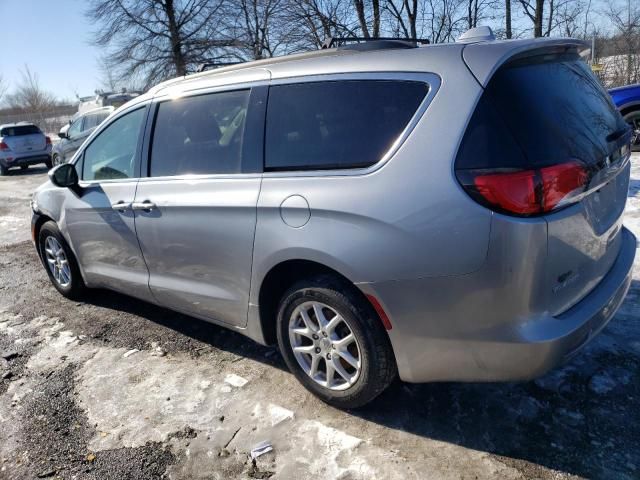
(477, 34)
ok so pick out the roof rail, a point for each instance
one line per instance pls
(363, 43)
(207, 65)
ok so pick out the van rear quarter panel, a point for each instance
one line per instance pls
(406, 218)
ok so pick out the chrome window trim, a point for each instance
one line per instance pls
(201, 177)
(432, 80)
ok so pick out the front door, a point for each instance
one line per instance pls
(99, 215)
(196, 210)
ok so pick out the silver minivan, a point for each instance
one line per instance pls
(438, 213)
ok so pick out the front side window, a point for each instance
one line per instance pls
(76, 128)
(199, 135)
(112, 154)
(337, 124)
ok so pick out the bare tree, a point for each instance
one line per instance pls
(625, 19)
(535, 12)
(29, 96)
(314, 21)
(3, 88)
(257, 28)
(369, 24)
(405, 14)
(155, 39)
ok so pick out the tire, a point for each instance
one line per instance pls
(3, 171)
(633, 120)
(54, 162)
(74, 287)
(371, 348)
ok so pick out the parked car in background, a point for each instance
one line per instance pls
(441, 213)
(23, 144)
(627, 99)
(79, 129)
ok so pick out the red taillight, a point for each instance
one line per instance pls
(529, 192)
(48, 140)
(561, 181)
(4, 147)
(514, 191)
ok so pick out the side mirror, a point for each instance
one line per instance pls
(64, 176)
(62, 134)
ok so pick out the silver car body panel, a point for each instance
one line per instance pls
(469, 292)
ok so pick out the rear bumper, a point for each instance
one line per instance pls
(31, 159)
(442, 349)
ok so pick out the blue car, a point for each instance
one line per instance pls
(627, 99)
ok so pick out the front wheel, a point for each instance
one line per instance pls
(333, 342)
(55, 161)
(59, 261)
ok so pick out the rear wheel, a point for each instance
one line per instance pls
(59, 261)
(633, 119)
(333, 342)
(4, 170)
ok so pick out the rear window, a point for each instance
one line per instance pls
(19, 130)
(334, 125)
(540, 111)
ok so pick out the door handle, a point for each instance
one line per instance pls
(121, 206)
(147, 206)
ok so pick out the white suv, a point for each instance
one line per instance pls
(23, 144)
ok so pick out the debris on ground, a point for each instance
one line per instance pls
(130, 352)
(235, 380)
(260, 449)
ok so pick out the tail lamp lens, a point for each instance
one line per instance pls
(4, 146)
(528, 192)
(47, 140)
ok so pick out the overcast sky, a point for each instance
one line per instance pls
(53, 38)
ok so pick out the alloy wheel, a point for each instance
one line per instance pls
(324, 345)
(57, 261)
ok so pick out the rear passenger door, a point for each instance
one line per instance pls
(196, 209)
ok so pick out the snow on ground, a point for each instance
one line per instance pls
(115, 388)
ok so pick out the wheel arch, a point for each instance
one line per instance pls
(278, 279)
(629, 107)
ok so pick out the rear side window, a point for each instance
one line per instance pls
(19, 131)
(337, 124)
(90, 121)
(199, 135)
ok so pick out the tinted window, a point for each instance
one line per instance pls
(345, 124)
(199, 135)
(19, 130)
(111, 155)
(539, 111)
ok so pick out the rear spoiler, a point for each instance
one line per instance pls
(484, 58)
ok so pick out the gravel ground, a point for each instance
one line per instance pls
(114, 388)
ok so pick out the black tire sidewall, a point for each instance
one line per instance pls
(375, 352)
(75, 288)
